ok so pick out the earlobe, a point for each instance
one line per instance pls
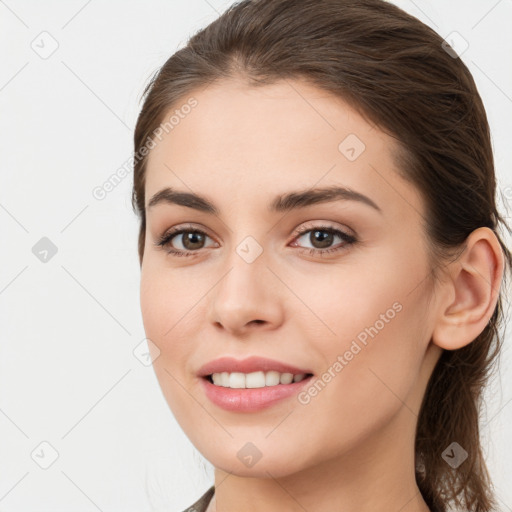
(471, 292)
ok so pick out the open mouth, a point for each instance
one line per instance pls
(254, 391)
(260, 379)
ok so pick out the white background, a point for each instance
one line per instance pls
(68, 375)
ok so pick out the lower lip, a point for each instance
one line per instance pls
(250, 399)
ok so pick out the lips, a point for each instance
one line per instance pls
(251, 364)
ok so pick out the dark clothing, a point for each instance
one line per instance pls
(202, 503)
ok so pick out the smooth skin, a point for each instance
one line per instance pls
(352, 446)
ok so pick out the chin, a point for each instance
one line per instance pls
(261, 459)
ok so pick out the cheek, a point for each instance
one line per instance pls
(172, 308)
(369, 376)
(167, 301)
(152, 298)
(345, 301)
(161, 311)
(166, 313)
(377, 331)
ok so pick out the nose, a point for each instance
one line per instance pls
(246, 298)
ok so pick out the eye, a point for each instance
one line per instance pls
(191, 243)
(322, 237)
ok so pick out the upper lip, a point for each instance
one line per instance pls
(248, 365)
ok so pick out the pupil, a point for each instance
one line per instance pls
(192, 237)
(323, 237)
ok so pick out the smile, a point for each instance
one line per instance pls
(247, 399)
(258, 379)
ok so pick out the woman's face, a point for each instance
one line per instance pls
(357, 316)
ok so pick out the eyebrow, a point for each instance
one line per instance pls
(281, 203)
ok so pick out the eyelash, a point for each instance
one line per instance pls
(166, 238)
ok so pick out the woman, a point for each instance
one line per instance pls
(321, 263)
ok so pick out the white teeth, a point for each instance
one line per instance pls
(286, 378)
(257, 379)
(272, 378)
(236, 380)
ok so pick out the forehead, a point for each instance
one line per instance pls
(240, 142)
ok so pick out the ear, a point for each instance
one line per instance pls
(470, 294)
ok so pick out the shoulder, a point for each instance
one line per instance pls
(202, 503)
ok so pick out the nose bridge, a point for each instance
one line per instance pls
(247, 256)
(246, 279)
(245, 294)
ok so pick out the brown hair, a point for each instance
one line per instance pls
(397, 73)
